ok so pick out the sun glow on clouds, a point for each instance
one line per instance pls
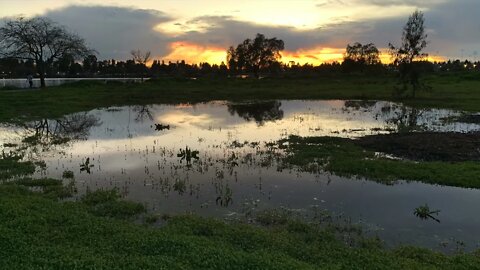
(313, 56)
(195, 53)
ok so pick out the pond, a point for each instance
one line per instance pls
(219, 159)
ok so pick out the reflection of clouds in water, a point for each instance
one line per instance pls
(10, 134)
(185, 119)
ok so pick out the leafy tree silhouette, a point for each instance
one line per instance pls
(255, 55)
(260, 112)
(358, 56)
(406, 56)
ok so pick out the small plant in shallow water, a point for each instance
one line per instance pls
(188, 155)
(85, 166)
(160, 127)
(180, 186)
(225, 197)
(424, 212)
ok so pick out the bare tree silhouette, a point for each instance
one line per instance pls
(40, 40)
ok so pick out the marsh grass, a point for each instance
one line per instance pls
(344, 158)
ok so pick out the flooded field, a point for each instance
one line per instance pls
(221, 159)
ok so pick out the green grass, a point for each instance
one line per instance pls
(343, 157)
(108, 203)
(456, 92)
(52, 188)
(11, 166)
(37, 232)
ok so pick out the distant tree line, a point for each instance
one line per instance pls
(91, 67)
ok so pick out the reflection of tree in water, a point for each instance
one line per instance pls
(404, 118)
(260, 112)
(143, 112)
(359, 104)
(71, 127)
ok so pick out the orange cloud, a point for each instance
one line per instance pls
(315, 56)
(195, 53)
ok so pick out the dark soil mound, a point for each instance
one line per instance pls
(469, 118)
(426, 146)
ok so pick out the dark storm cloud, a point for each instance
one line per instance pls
(455, 26)
(388, 3)
(225, 31)
(451, 26)
(115, 31)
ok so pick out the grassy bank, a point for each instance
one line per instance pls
(40, 232)
(346, 157)
(456, 92)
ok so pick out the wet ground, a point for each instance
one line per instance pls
(426, 146)
(217, 159)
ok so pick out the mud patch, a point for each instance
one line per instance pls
(464, 118)
(426, 146)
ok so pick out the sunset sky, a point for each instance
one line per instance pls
(314, 31)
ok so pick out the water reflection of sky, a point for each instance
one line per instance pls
(129, 154)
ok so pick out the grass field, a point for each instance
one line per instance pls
(460, 92)
(40, 232)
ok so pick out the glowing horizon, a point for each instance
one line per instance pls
(197, 54)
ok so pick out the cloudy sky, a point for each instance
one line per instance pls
(314, 31)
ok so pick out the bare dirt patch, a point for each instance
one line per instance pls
(426, 146)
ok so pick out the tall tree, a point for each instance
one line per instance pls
(357, 56)
(255, 55)
(407, 55)
(41, 40)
